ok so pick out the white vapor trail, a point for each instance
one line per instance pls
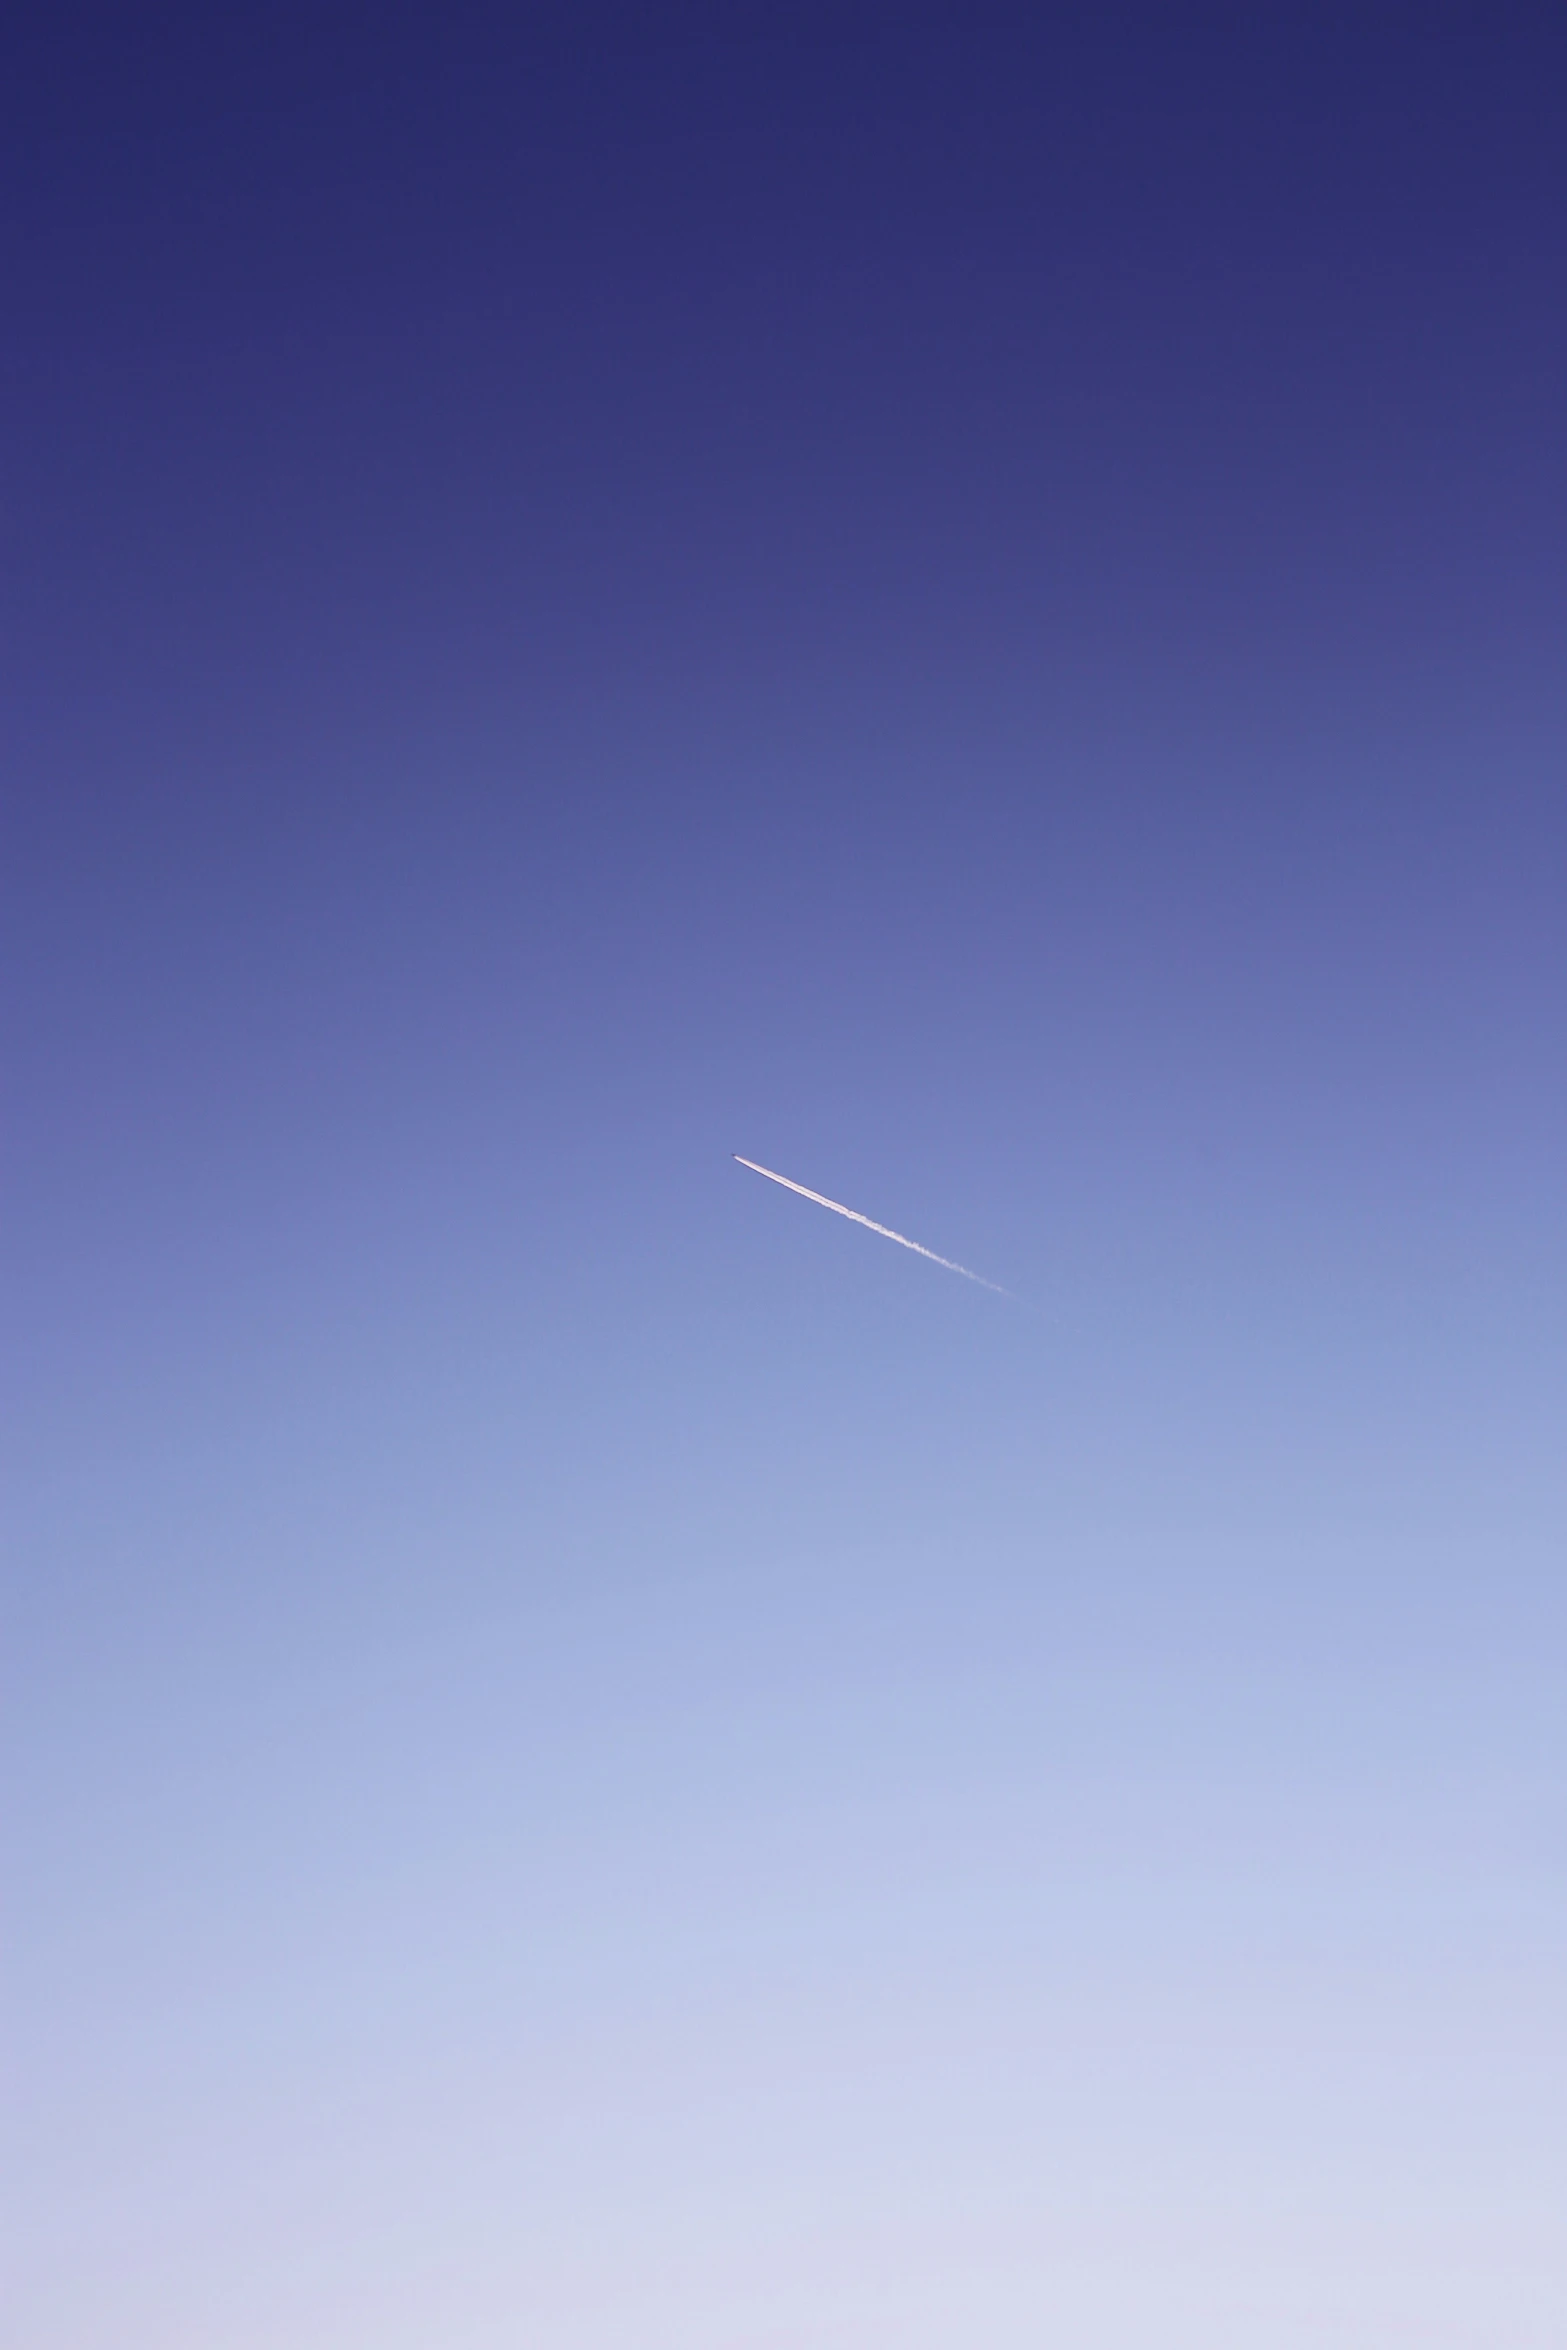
(871, 1225)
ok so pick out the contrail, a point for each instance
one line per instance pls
(871, 1225)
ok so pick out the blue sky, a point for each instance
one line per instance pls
(968, 608)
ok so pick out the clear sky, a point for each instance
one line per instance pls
(966, 602)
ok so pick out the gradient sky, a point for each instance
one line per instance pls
(967, 603)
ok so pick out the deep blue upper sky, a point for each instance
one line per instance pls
(968, 603)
